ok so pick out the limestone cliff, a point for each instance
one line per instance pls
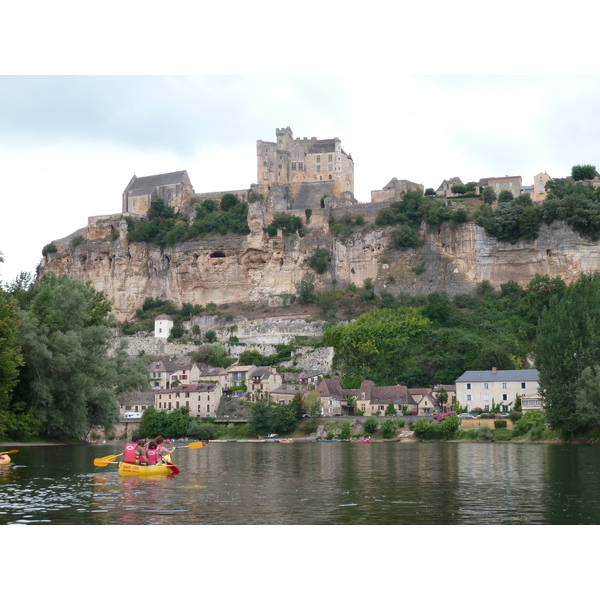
(257, 268)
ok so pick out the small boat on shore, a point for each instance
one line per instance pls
(365, 441)
(286, 441)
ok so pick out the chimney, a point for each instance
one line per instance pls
(493, 369)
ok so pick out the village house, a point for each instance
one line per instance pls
(201, 373)
(511, 183)
(373, 400)
(425, 400)
(202, 399)
(498, 390)
(395, 190)
(332, 397)
(239, 377)
(445, 188)
(262, 382)
(164, 372)
(450, 391)
(284, 396)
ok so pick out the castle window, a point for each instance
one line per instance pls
(330, 177)
(318, 168)
(293, 166)
(330, 168)
(300, 166)
(318, 159)
(330, 158)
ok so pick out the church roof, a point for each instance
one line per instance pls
(140, 186)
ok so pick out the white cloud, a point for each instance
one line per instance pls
(71, 144)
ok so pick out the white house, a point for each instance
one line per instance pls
(162, 326)
(488, 390)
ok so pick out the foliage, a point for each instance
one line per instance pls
(68, 379)
(345, 430)
(587, 397)
(286, 222)
(568, 342)
(527, 422)
(500, 424)
(403, 236)
(390, 410)
(312, 403)
(371, 425)
(166, 227)
(49, 248)
(319, 261)
(579, 172)
(271, 418)
(214, 355)
(458, 188)
(305, 290)
(381, 341)
(388, 429)
(170, 424)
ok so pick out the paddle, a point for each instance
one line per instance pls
(9, 452)
(106, 460)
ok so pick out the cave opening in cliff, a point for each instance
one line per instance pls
(217, 254)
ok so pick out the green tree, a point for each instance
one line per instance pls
(458, 188)
(567, 343)
(371, 425)
(505, 196)
(488, 195)
(68, 378)
(390, 410)
(312, 403)
(305, 290)
(319, 261)
(298, 404)
(388, 429)
(581, 172)
(587, 397)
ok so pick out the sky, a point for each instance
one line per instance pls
(91, 95)
(70, 144)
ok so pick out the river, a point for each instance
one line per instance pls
(237, 483)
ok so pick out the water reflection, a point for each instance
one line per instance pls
(311, 483)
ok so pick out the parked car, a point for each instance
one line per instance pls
(466, 416)
(307, 416)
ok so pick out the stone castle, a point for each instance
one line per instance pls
(294, 176)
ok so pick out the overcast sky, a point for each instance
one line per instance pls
(75, 125)
(70, 144)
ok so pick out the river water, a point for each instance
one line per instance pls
(237, 483)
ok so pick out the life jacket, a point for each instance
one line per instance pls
(152, 456)
(129, 455)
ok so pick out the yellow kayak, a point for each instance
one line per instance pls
(128, 469)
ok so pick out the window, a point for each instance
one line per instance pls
(330, 167)
(293, 166)
(300, 166)
(486, 386)
(318, 168)
(504, 386)
(541, 190)
(497, 185)
(504, 397)
(523, 385)
(469, 397)
(467, 386)
(510, 184)
(318, 159)
(487, 407)
(330, 158)
(486, 398)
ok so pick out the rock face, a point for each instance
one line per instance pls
(257, 268)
